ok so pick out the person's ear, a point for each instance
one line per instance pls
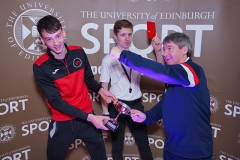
(114, 36)
(41, 39)
(185, 49)
(64, 33)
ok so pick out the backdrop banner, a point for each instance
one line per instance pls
(213, 26)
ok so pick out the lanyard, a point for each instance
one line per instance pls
(128, 76)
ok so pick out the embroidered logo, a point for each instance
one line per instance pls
(77, 62)
(55, 71)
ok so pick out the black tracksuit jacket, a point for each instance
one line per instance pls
(65, 83)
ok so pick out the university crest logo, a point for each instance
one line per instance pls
(22, 29)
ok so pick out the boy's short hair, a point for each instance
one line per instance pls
(48, 23)
(119, 24)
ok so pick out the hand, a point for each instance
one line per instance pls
(107, 96)
(157, 44)
(137, 116)
(115, 52)
(98, 121)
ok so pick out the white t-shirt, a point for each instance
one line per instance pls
(113, 72)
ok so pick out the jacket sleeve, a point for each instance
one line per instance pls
(89, 80)
(154, 114)
(185, 74)
(53, 96)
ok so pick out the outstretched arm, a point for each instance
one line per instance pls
(137, 116)
(154, 114)
(149, 117)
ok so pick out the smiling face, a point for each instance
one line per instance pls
(173, 54)
(123, 38)
(55, 42)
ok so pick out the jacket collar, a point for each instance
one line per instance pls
(52, 56)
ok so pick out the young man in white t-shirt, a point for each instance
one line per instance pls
(125, 85)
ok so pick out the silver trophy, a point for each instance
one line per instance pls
(122, 108)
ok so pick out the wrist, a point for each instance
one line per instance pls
(100, 91)
(158, 50)
(90, 117)
(106, 114)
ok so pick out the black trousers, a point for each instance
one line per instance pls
(139, 131)
(62, 134)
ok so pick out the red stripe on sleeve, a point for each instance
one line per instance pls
(195, 77)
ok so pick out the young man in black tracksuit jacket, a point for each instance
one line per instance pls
(64, 75)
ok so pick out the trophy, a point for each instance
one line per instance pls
(122, 108)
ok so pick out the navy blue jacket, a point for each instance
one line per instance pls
(185, 105)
